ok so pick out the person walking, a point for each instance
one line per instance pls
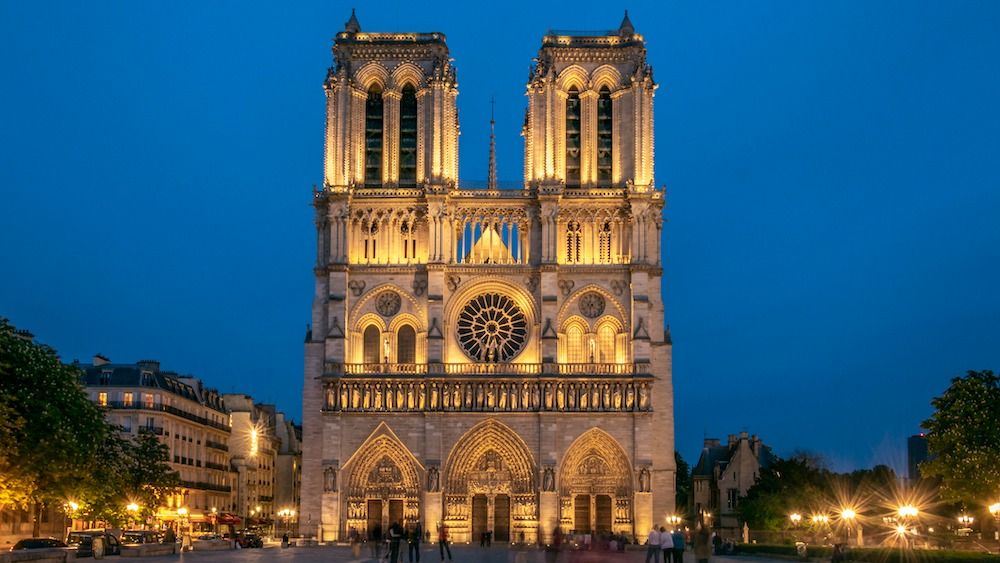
(678, 537)
(443, 541)
(413, 540)
(375, 541)
(702, 544)
(395, 535)
(653, 546)
(666, 544)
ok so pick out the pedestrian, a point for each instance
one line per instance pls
(413, 543)
(552, 550)
(375, 541)
(666, 544)
(443, 541)
(678, 537)
(653, 546)
(395, 535)
(702, 544)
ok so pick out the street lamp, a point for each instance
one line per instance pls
(847, 515)
(796, 518)
(995, 511)
(132, 509)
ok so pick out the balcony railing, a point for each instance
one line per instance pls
(487, 369)
(160, 407)
(204, 486)
(213, 465)
(216, 446)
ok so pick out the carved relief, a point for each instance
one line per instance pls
(453, 282)
(618, 286)
(566, 286)
(356, 287)
(419, 286)
(388, 303)
(592, 304)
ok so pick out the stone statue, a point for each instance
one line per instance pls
(548, 480)
(629, 397)
(616, 401)
(330, 479)
(432, 480)
(644, 480)
(644, 397)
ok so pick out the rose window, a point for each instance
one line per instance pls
(492, 328)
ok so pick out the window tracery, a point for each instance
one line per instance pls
(604, 140)
(373, 137)
(573, 113)
(574, 236)
(408, 137)
(492, 328)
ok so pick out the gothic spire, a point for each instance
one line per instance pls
(352, 25)
(492, 181)
(626, 27)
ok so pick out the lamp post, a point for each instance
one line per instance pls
(995, 511)
(847, 516)
(133, 510)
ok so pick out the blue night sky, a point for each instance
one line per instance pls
(832, 243)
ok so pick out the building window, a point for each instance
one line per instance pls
(370, 231)
(147, 400)
(604, 243)
(373, 137)
(127, 423)
(408, 137)
(127, 399)
(102, 399)
(573, 137)
(573, 240)
(371, 344)
(105, 377)
(406, 345)
(604, 125)
(574, 345)
(409, 240)
(732, 497)
(606, 337)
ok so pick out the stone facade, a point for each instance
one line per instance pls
(484, 359)
(724, 474)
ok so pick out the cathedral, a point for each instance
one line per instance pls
(488, 359)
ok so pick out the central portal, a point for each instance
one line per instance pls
(497, 506)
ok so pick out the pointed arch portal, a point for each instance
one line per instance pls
(595, 485)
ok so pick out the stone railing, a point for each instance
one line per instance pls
(336, 369)
(495, 395)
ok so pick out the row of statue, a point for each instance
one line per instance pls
(349, 395)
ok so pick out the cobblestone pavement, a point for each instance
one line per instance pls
(429, 554)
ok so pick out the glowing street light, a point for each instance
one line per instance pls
(995, 511)
(132, 507)
(847, 516)
(795, 517)
(907, 511)
(966, 520)
(820, 519)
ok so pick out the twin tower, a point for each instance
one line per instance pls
(484, 359)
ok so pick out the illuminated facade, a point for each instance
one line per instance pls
(488, 359)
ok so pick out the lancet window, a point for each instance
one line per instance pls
(574, 236)
(406, 345)
(607, 338)
(373, 137)
(604, 128)
(575, 349)
(372, 335)
(370, 233)
(408, 240)
(408, 137)
(604, 243)
(573, 112)
(500, 237)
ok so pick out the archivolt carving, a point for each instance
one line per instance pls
(618, 310)
(371, 73)
(383, 466)
(490, 458)
(595, 463)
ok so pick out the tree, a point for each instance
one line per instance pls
(682, 486)
(964, 439)
(51, 428)
(788, 485)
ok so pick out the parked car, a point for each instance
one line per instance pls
(141, 536)
(36, 543)
(84, 542)
(249, 539)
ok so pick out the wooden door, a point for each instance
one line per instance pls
(581, 514)
(480, 517)
(602, 509)
(395, 512)
(501, 518)
(375, 518)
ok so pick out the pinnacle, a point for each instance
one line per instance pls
(352, 25)
(626, 27)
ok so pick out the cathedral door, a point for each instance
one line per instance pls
(396, 512)
(480, 516)
(375, 516)
(581, 514)
(501, 518)
(603, 509)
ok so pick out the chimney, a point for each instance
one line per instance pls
(732, 439)
(149, 365)
(100, 360)
(744, 435)
(711, 442)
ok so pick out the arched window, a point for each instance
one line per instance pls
(573, 236)
(575, 353)
(408, 137)
(604, 243)
(573, 137)
(372, 345)
(369, 230)
(606, 339)
(373, 137)
(406, 345)
(604, 136)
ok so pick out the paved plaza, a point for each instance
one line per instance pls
(429, 554)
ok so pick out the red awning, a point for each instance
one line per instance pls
(228, 518)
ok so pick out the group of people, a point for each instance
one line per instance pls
(671, 545)
(395, 535)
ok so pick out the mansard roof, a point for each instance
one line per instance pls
(148, 375)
